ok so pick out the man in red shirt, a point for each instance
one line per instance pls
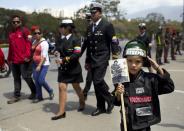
(19, 57)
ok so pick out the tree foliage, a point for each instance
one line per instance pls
(110, 9)
(154, 20)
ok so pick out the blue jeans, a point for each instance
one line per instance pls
(39, 78)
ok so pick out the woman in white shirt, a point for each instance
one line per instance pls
(41, 64)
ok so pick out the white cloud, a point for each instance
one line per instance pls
(132, 6)
(67, 10)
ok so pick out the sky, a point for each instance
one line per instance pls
(70, 6)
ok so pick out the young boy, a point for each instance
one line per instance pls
(141, 93)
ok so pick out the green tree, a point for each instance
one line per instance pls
(153, 21)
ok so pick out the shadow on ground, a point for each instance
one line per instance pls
(70, 106)
(10, 95)
(171, 125)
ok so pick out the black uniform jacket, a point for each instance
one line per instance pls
(167, 38)
(70, 48)
(99, 43)
(145, 39)
(141, 98)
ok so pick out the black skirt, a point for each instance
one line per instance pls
(69, 78)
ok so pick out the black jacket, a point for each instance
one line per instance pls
(69, 48)
(141, 98)
(145, 39)
(100, 43)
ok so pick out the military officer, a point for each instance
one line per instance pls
(69, 71)
(159, 45)
(146, 39)
(100, 42)
(167, 40)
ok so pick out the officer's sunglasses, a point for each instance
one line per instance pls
(16, 22)
(39, 33)
(93, 12)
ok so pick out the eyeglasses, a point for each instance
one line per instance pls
(93, 12)
(16, 22)
(37, 33)
(141, 28)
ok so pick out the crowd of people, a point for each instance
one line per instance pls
(29, 56)
(164, 40)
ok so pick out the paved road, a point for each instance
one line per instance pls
(26, 116)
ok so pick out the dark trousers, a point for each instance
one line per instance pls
(173, 57)
(24, 70)
(166, 50)
(159, 51)
(178, 48)
(88, 82)
(101, 88)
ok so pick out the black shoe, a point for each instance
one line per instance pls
(59, 117)
(98, 112)
(166, 61)
(32, 96)
(110, 108)
(51, 95)
(85, 96)
(37, 100)
(13, 100)
(80, 109)
(3, 70)
(82, 105)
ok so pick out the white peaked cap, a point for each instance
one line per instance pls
(142, 24)
(67, 21)
(95, 5)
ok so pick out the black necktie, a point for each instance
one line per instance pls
(94, 27)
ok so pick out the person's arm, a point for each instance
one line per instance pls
(156, 66)
(84, 46)
(149, 41)
(27, 54)
(119, 89)
(41, 63)
(76, 52)
(164, 82)
(115, 49)
(9, 51)
(44, 53)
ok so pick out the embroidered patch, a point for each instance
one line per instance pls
(77, 49)
(139, 90)
(144, 111)
(136, 51)
(140, 99)
(114, 39)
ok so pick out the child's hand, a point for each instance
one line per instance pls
(120, 89)
(154, 64)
